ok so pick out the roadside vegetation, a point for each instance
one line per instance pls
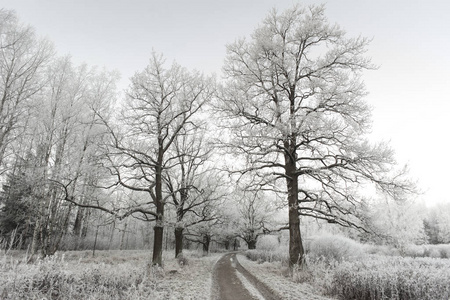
(342, 268)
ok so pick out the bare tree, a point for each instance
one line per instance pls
(294, 99)
(23, 58)
(255, 215)
(160, 104)
(192, 182)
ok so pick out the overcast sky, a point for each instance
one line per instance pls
(411, 44)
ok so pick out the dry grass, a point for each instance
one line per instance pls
(340, 267)
(109, 275)
(382, 277)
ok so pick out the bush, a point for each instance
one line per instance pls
(268, 249)
(260, 256)
(434, 251)
(380, 277)
(333, 248)
(267, 243)
(182, 260)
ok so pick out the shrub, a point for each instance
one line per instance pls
(434, 251)
(182, 260)
(268, 249)
(444, 250)
(333, 248)
(381, 277)
(267, 243)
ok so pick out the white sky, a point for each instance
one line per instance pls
(411, 44)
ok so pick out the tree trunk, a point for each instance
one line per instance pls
(205, 243)
(113, 227)
(35, 239)
(295, 239)
(227, 244)
(178, 240)
(159, 226)
(158, 243)
(77, 224)
(85, 226)
(122, 240)
(251, 244)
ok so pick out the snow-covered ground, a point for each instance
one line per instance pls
(110, 275)
(271, 274)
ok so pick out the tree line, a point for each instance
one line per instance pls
(287, 128)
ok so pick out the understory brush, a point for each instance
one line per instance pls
(109, 275)
(340, 267)
(330, 249)
(381, 277)
(268, 249)
(434, 251)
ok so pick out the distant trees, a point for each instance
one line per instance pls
(294, 97)
(255, 215)
(437, 224)
(397, 224)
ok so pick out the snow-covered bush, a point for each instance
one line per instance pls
(269, 249)
(333, 248)
(267, 243)
(281, 254)
(381, 277)
(434, 251)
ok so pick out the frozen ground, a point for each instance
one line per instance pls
(232, 282)
(128, 275)
(110, 275)
(271, 274)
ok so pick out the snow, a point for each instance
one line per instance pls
(272, 276)
(109, 275)
(253, 291)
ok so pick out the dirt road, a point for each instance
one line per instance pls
(233, 282)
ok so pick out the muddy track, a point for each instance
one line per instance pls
(231, 281)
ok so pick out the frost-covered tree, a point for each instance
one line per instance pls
(161, 102)
(255, 215)
(60, 146)
(294, 99)
(437, 224)
(23, 58)
(398, 224)
(192, 182)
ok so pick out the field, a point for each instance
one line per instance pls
(336, 268)
(108, 275)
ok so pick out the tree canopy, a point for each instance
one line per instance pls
(294, 99)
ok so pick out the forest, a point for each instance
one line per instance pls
(275, 156)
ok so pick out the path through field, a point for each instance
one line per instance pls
(233, 282)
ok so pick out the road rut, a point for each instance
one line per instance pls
(233, 282)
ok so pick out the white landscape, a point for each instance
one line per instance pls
(238, 150)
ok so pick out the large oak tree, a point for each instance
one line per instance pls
(295, 108)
